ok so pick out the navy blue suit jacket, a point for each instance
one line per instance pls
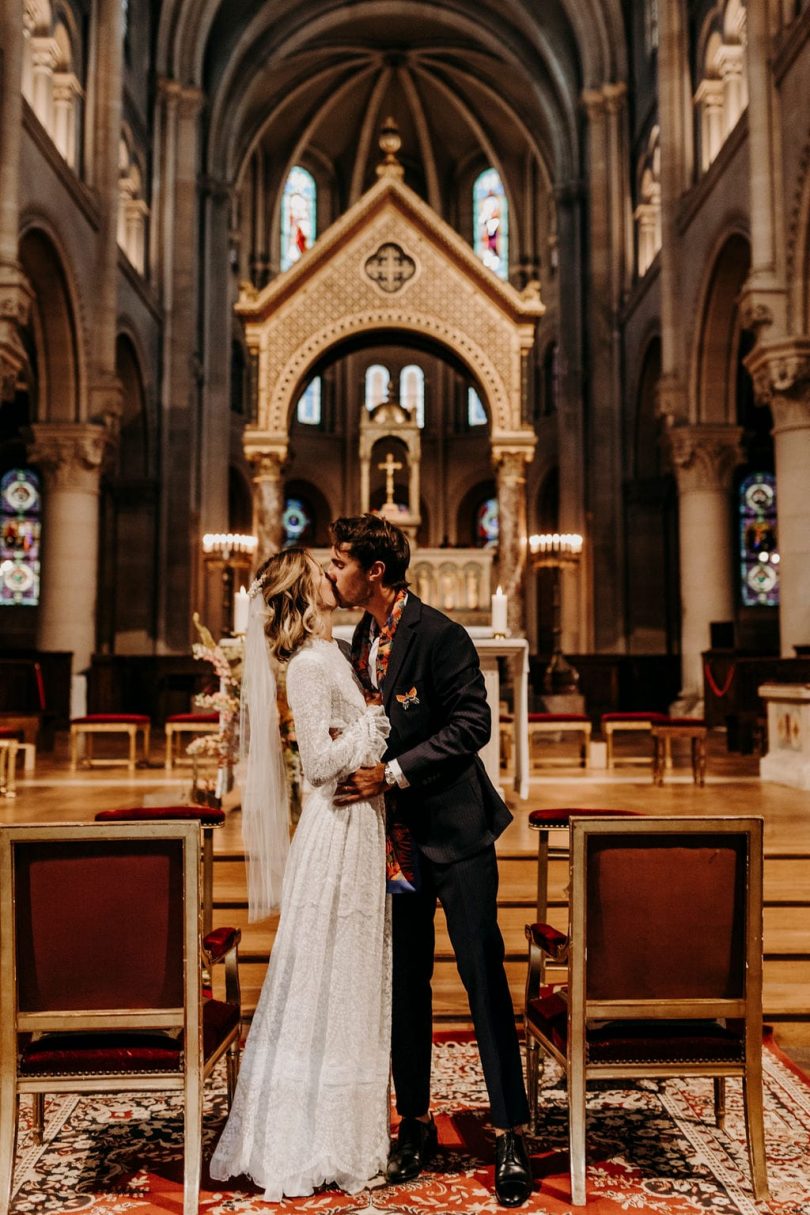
(435, 699)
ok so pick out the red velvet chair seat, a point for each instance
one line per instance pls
(179, 718)
(99, 719)
(209, 816)
(682, 1042)
(100, 1053)
(654, 718)
(561, 717)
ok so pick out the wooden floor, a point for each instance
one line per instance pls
(54, 794)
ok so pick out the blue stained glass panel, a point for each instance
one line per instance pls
(20, 528)
(296, 521)
(759, 554)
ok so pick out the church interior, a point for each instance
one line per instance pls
(530, 280)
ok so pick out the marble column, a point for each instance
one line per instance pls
(15, 293)
(704, 457)
(176, 267)
(781, 374)
(69, 455)
(268, 501)
(608, 246)
(510, 471)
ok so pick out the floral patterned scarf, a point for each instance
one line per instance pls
(401, 860)
(362, 646)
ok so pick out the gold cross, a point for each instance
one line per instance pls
(389, 466)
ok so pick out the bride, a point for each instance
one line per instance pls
(311, 1105)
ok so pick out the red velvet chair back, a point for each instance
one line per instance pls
(99, 924)
(666, 917)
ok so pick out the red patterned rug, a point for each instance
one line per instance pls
(651, 1148)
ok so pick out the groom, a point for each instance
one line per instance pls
(426, 669)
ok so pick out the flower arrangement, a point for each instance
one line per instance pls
(222, 746)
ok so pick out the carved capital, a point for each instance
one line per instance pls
(267, 463)
(70, 454)
(780, 369)
(705, 456)
(510, 460)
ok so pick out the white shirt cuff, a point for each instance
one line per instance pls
(398, 774)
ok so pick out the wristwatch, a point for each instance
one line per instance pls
(390, 778)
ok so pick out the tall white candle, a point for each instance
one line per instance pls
(499, 602)
(241, 607)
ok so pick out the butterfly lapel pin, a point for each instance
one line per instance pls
(406, 699)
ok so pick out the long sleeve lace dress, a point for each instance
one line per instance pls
(311, 1105)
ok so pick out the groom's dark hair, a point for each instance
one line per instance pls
(371, 538)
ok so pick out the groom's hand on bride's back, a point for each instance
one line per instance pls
(361, 785)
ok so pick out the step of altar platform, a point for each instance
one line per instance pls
(786, 939)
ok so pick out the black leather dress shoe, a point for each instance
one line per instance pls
(513, 1170)
(416, 1144)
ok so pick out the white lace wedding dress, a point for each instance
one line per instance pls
(311, 1104)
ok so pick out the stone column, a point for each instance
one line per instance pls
(677, 152)
(764, 303)
(705, 457)
(15, 294)
(217, 289)
(781, 374)
(70, 456)
(176, 261)
(576, 608)
(510, 471)
(268, 500)
(608, 244)
(104, 389)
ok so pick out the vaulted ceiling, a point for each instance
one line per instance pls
(463, 79)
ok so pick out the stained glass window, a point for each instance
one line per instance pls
(377, 379)
(476, 414)
(412, 391)
(309, 403)
(298, 215)
(487, 525)
(759, 555)
(491, 218)
(20, 509)
(296, 520)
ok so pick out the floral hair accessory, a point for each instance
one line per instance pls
(255, 587)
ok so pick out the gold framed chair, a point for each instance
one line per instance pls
(103, 992)
(664, 967)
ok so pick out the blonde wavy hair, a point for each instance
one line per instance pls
(291, 598)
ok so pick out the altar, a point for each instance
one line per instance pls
(788, 758)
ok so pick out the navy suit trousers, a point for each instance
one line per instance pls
(467, 890)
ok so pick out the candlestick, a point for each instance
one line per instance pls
(499, 605)
(241, 607)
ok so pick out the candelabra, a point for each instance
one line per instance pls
(231, 553)
(557, 551)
